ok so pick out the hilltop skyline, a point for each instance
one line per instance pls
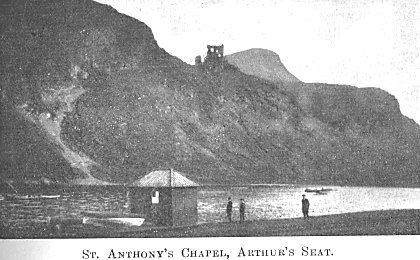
(364, 44)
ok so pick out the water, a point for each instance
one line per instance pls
(274, 202)
(262, 202)
(19, 215)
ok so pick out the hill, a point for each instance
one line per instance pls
(105, 104)
(262, 63)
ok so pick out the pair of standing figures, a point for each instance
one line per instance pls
(229, 208)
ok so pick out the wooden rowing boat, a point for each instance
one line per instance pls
(105, 221)
(111, 214)
(107, 217)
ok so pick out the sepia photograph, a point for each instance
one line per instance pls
(210, 118)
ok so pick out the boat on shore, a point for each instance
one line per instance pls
(101, 218)
(110, 214)
(106, 221)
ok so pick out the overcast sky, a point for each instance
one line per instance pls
(365, 43)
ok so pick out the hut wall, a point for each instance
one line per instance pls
(184, 206)
(141, 202)
(163, 208)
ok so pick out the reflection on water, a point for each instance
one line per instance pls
(263, 202)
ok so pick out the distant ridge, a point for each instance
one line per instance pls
(262, 63)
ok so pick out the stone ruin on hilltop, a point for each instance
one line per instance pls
(213, 61)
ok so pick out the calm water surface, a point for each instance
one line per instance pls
(263, 202)
(273, 202)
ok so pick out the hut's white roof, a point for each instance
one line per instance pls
(164, 178)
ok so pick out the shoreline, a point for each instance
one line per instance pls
(381, 222)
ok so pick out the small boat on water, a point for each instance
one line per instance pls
(50, 196)
(318, 190)
(18, 197)
(30, 197)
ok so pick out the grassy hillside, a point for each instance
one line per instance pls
(114, 106)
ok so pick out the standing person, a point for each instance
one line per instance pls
(242, 211)
(229, 210)
(305, 206)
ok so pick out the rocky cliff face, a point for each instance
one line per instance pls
(107, 105)
(376, 143)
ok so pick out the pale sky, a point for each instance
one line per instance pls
(364, 43)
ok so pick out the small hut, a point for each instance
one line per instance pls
(165, 198)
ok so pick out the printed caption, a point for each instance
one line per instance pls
(186, 252)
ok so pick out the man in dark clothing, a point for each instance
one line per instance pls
(229, 210)
(305, 206)
(242, 211)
